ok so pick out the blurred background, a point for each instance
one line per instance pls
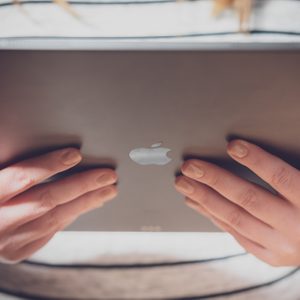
(205, 20)
(148, 265)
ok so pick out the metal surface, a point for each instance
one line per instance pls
(111, 102)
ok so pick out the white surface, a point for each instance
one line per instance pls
(112, 247)
(93, 244)
(151, 283)
(154, 19)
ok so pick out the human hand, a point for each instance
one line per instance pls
(31, 213)
(265, 224)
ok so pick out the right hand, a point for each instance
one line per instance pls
(31, 213)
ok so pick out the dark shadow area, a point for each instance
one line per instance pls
(46, 144)
(229, 164)
(293, 158)
(88, 163)
(56, 142)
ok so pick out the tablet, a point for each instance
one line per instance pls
(143, 110)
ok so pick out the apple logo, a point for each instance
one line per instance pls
(155, 155)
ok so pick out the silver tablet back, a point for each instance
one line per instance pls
(112, 102)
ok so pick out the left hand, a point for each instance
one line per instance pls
(265, 224)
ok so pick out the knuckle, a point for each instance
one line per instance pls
(281, 177)
(22, 177)
(248, 199)
(234, 218)
(46, 200)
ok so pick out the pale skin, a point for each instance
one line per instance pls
(31, 213)
(265, 224)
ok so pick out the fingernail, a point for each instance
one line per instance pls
(238, 149)
(184, 186)
(193, 170)
(106, 193)
(106, 179)
(71, 157)
(191, 204)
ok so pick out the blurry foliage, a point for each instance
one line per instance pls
(242, 7)
(62, 3)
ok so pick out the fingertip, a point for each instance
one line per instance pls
(185, 166)
(115, 176)
(238, 148)
(112, 174)
(193, 169)
(109, 192)
(70, 156)
(106, 177)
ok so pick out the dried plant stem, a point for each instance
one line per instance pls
(243, 8)
(19, 5)
(221, 5)
(62, 3)
(66, 6)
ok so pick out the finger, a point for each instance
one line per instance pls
(200, 209)
(268, 255)
(41, 199)
(281, 176)
(228, 212)
(58, 218)
(250, 246)
(197, 207)
(23, 175)
(28, 250)
(258, 250)
(254, 199)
